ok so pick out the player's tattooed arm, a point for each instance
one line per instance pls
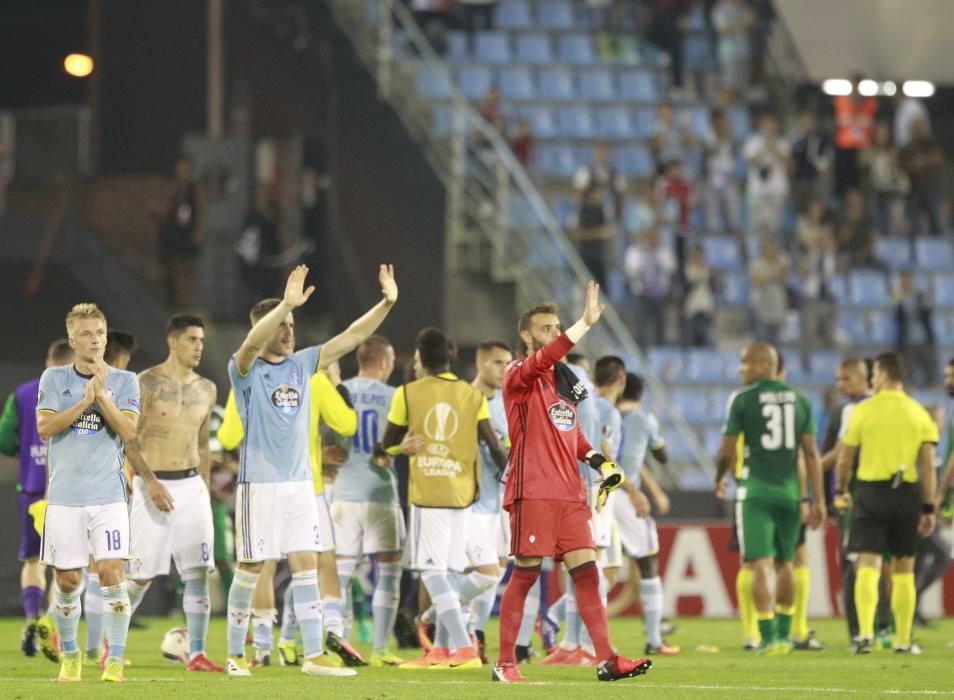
(205, 457)
(365, 326)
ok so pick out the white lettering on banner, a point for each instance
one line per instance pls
(691, 548)
(819, 598)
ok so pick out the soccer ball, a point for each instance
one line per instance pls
(175, 645)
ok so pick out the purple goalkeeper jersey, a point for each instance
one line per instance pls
(32, 446)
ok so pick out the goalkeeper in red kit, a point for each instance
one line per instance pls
(549, 513)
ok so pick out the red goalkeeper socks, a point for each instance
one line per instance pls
(586, 578)
(511, 611)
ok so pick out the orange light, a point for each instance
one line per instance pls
(78, 65)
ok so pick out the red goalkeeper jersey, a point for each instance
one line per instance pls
(545, 436)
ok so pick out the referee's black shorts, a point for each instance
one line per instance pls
(885, 518)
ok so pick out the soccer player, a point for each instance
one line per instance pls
(120, 347)
(365, 511)
(276, 514)
(549, 513)
(88, 411)
(637, 528)
(171, 513)
(775, 422)
(609, 377)
(485, 541)
(437, 420)
(19, 438)
(894, 499)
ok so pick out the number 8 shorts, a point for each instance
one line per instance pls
(72, 533)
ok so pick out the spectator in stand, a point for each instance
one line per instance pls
(768, 274)
(433, 16)
(915, 329)
(817, 266)
(649, 267)
(180, 236)
(768, 157)
(602, 174)
(678, 200)
(698, 306)
(855, 117)
(906, 111)
(489, 109)
(812, 223)
(477, 15)
(258, 246)
(522, 143)
(923, 161)
(672, 137)
(667, 30)
(811, 161)
(643, 212)
(722, 200)
(611, 19)
(887, 181)
(732, 20)
(594, 232)
(857, 235)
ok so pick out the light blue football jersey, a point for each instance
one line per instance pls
(274, 403)
(490, 485)
(589, 422)
(640, 432)
(359, 479)
(610, 421)
(85, 461)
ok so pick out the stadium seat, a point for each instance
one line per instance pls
(638, 86)
(443, 121)
(934, 253)
(556, 160)
(882, 328)
(534, 48)
(722, 252)
(824, 364)
(614, 123)
(457, 48)
(697, 51)
(667, 363)
(635, 161)
(699, 120)
(513, 14)
(735, 288)
(541, 121)
(474, 81)
(703, 366)
(895, 251)
(839, 289)
(645, 122)
(556, 84)
(943, 290)
(576, 123)
(565, 211)
(516, 84)
(432, 84)
(576, 49)
(740, 122)
(944, 329)
(694, 404)
(493, 47)
(852, 323)
(596, 84)
(555, 14)
(868, 289)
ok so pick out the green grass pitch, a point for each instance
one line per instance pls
(728, 673)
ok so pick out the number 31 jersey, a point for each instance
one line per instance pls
(772, 418)
(359, 479)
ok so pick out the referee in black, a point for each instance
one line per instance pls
(894, 496)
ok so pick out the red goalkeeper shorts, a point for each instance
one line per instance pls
(549, 528)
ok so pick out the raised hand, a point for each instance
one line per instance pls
(593, 309)
(388, 285)
(295, 292)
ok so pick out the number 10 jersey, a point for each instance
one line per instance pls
(359, 479)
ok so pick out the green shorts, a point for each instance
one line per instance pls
(224, 549)
(768, 529)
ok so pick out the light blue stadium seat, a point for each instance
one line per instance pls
(516, 84)
(722, 252)
(868, 289)
(432, 84)
(824, 364)
(541, 253)
(596, 84)
(694, 404)
(711, 440)
(564, 211)
(513, 14)
(735, 288)
(934, 253)
(635, 161)
(697, 51)
(943, 290)
(443, 121)
(667, 363)
(699, 120)
(457, 48)
(493, 47)
(576, 49)
(839, 289)
(852, 322)
(556, 160)
(645, 122)
(576, 123)
(679, 454)
(474, 81)
(555, 14)
(703, 366)
(556, 84)
(944, 329)
(638, 86)
(534, 48)
(895, 251)
(541, 121)
(882, 328)
(740, 122)
(614, 123)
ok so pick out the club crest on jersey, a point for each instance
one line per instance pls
(286, 399)
(90, 423)
(563, 416)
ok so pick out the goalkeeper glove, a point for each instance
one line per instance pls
(611, 478)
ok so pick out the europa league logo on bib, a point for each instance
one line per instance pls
(286, 399)
(441, 422)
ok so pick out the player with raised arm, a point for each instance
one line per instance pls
(276, 513)
(549, 513)
(88, 411)
(776, 423)
(171, 514)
